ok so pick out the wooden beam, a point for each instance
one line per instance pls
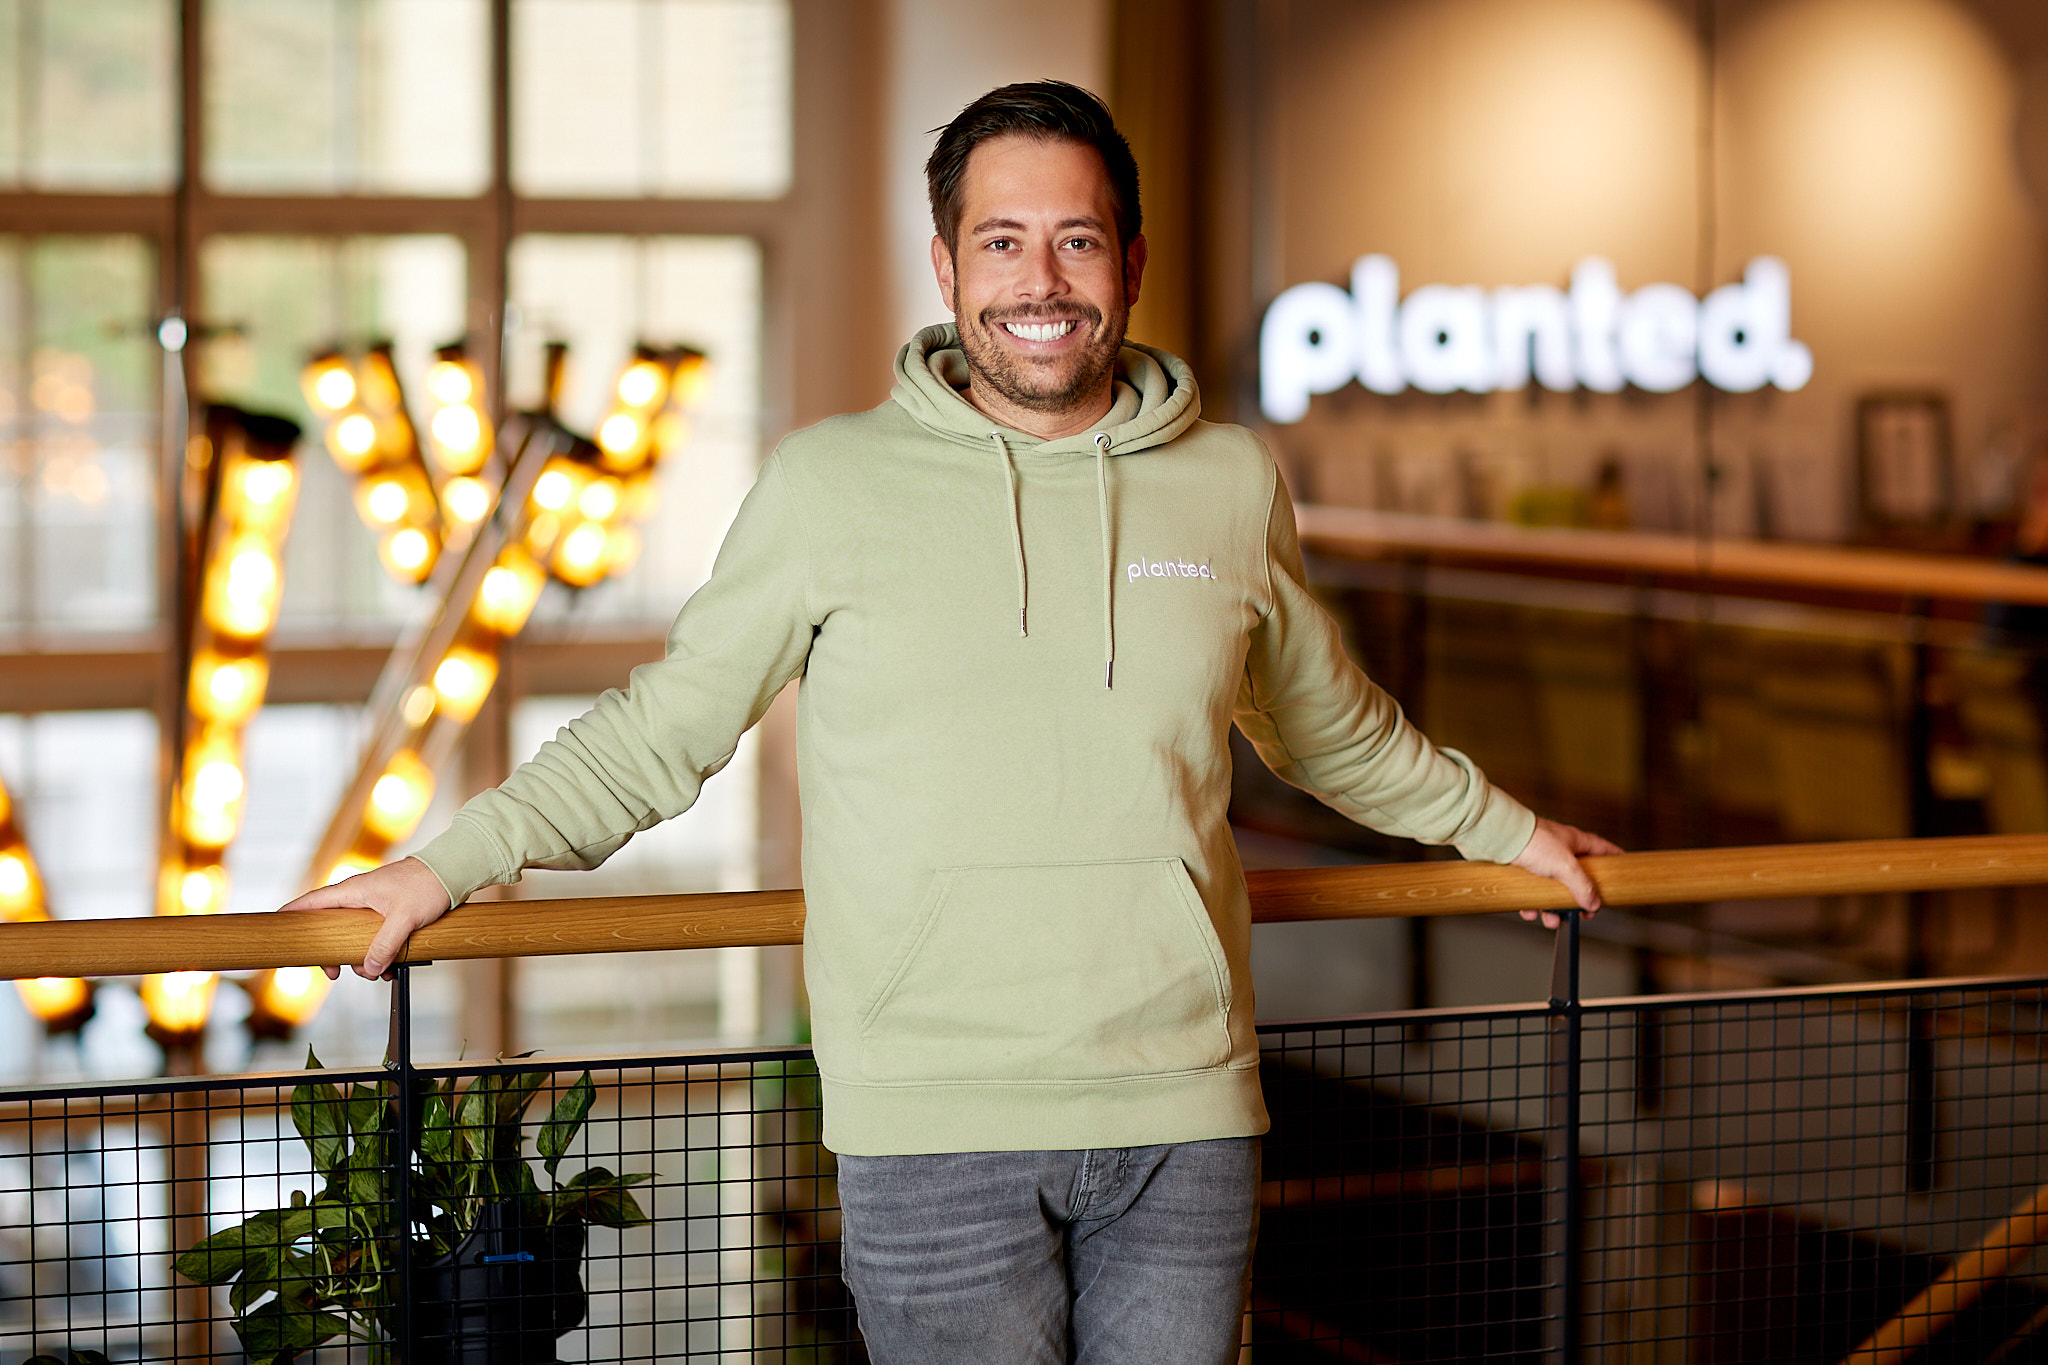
(607, 924)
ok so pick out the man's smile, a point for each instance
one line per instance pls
(1039, 331)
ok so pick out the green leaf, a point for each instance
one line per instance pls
(564, 1121)
(367, 1109)
(228, 1253)
(437, 1123)
(320, 1115)
(597, 1196)
(278, 1330)
(606, 1207)
(368, 1177)
(473, 1119)
(516, 1092)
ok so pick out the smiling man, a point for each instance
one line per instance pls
(1027, 598)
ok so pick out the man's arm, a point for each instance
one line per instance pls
(641, 754)
(1322, 725)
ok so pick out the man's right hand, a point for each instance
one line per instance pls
(406, 893)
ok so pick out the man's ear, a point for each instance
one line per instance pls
(942, 268)
(1134, 268)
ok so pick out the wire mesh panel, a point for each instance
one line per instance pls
(1802, 1176)
(103, 1187)
(1406, 1204)
(1818, 1176)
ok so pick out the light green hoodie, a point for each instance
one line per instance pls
(1020, 663)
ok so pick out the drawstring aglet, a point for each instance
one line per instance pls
(1022, 629)
(1108, 669)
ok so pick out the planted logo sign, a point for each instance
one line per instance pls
(1316, 337)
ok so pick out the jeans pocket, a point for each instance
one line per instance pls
(1053, 971)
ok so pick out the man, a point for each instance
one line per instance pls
(1026, 597)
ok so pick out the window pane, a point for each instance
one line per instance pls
(602, 294)
(78, 427)
(88, 91)
(290, 297)
(347, 95)
(651, 97)
(646, 1000)
(84, 787)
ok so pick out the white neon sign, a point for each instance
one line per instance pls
(1316, 337)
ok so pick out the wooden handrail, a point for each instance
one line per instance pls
(610, 924)
(1725, 564)
(1962, 1284)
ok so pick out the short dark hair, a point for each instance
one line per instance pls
(1052, 110)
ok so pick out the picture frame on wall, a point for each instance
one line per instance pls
(1905, 462)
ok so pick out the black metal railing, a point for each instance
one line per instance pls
(1766, 1176)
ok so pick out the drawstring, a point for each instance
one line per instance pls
(1016, 529)
(1108, 563)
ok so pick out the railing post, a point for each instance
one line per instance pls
(1565, 1212)
(398, 1061)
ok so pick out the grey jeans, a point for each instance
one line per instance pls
(1111, 1256)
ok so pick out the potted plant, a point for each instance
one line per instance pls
(496, 1259)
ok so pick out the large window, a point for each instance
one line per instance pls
(349, 193)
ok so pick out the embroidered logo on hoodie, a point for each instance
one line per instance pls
(1166, 568)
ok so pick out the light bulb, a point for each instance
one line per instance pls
(581, 559)
(399, 798)
(462, 682)
(265, 481)
(620, 434)
(351, 440)
(211, 795)
(467, 500)
(600, 500)
(329, 385)
(203, 890)
(13, 875)
(348, 867)
(227, 691)
(458, 433)
(505, 598)
(411, 552)
(291, 995)
(178, 1002)
(386, 501)
(554, 489)
(51, 998)
(640, 385)
(242, 588)
(449, 382)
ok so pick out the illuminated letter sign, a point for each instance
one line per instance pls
(1316, 338)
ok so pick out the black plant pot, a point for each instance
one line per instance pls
(502, 1296)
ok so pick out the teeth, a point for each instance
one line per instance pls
(1039, 331)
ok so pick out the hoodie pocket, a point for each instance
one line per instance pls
(1052, 971)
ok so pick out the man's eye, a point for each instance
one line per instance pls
(1080, 243)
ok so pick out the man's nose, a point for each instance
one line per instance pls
(1041, 276)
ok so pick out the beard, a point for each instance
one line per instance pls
(1041, 383)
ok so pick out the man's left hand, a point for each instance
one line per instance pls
(1554, 851)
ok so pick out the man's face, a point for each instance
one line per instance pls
(1039, 289)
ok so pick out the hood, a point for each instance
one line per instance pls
(1155, 398)
(1153, 401)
